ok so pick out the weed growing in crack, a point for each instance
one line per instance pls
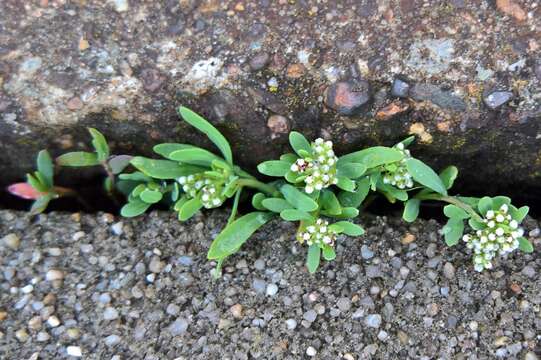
(320, 191)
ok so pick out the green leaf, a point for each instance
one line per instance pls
(134, 208)
(40, 204)
(100, 144)
(298, 199)
(312, 260)
(407, 141)
(299, 143)
(351, 170)
(375, 179)
(519, 214)
(274, 168)
(175, 193)
(346, 184)
(392, 193)
(347, 213)
(46, 168)
(349, 228)
(295, 215)
(138, 190)
(208, 129)
(328, 253)
(355, 199)
(135, 176)
(289, 158)
(330, 203)
(234, 235)
(78, 159)
(163, 169)
(151, 196)
(276, 205)
(484, 205)
(373, 157)
(453, 211)
(453, 231)
(472, 201)
(189, 208)
(194, 156)
(448, 176)
(498, 201)
(476, 225)
(119, 162)
(166, 149)
(257, 201)
(230, 187)
(36, 183)
(411, 210)
(424, 175)
(524, 245)
(180, 202)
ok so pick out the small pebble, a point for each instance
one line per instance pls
(366, 253)
(54, 274)
(110, 314)
(291, 324)
(178, 327)
(53, 321)
(310, 315)
(272, 289)
(449, 270)
(12, 241)
(112, 340)
(42, 336)
(74, 351)
(311, 351)
(118, 228)
(236, 311)
(172, 309)
(373, 320)
(259, 286)
(21, 335)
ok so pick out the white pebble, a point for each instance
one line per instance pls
(78, 235)
(54, 274)
(272, 289)
(74, 351)
(27, 289)
(53, 321)
(12, 241)
(311, 351)
(117, 228)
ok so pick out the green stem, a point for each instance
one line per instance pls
(453, 200)
(235, 206)
(256, 184)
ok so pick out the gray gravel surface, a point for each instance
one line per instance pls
(88, 286)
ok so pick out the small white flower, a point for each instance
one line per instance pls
(319, 141)
(306, 236)
(400, 146)
(499, 231)
(182, 180)
(309, 189)
(490, 214)
(504, 208)
(500, 218)
(294, 168)
(328, 143)
(513, 224)
(491, 224)
(216, 202)
(311, 229)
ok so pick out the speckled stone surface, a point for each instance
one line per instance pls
(124, 66)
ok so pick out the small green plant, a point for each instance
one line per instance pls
(316, 189)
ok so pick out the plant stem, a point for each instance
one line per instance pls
(256, 184)
(235, 206)
(453, 200)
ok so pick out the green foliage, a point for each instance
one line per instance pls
(317, 189)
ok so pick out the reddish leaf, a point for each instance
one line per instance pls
(25, 191)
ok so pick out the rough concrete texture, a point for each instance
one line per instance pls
(469, 70)
(120, 289)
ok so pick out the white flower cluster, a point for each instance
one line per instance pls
(400, 177)
(499, 238)
(320, 171)
(318, 233)
(208, 191)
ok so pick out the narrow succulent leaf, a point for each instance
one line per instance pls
(230, 187)
(276, 205)
(453, 211)
(298, 199)
(175, 192)
(330, 203)
(346, 184)
(166, 149)
(78, 159)
(24, 191)
(189, 208)
(392, 193)
(453, 231)
(299, 144)
(350, 229)
(373, 157)
(355, 198)
(524, 245)
(36, 183)
(100, 144)
(291, 177)
(375, 180)
(476, 225)
(209, 130)
(151, 196)
(257, 201)
(274, 168)
(424, 175)
(313, 258)
(134, 208)
(347, 213)
(289, 158)
(163, 169)
(448, 176)
(118, 163)
(351, 170)
(135, 176)
(411, 210)
(407, 141)
(46, 168)
(40, 204)
(295, 215)
(328, 253)
(194, 156)
(472, 201)
(484, 205)
(180, 202)
(234, 235)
